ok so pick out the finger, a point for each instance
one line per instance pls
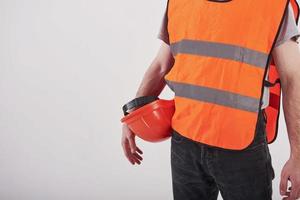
(298, 191)
(138, 156)
(136, 160)
(294, 189)
(132, 144)
(287, 194)
(283, 184)
(139, 150)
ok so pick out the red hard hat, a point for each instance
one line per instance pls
(151, 121)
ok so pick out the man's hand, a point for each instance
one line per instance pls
(291, 172)
(131, 151)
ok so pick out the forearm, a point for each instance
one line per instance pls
(153, 81)
(291, 106)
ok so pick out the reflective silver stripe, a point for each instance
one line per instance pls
(215, 96)
(220, 50)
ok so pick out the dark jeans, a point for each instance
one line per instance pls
(199, 171)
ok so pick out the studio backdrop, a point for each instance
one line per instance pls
(66, 69)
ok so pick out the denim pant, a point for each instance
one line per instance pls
(199, 171)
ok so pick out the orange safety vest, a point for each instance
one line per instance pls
(222, 51)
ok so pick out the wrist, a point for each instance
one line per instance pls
(295, 156)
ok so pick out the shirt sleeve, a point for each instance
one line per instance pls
(289, 29)
(163, 32)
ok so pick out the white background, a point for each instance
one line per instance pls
(66, 68)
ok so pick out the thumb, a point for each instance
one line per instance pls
(283, 185)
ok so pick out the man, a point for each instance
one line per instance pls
(199, 169)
